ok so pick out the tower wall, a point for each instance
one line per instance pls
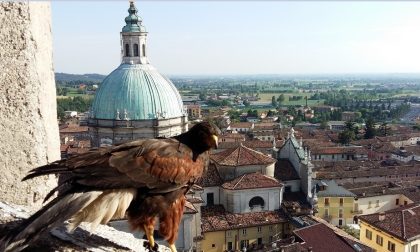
(28, 116)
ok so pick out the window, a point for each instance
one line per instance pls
(210, 199)
(270, 228)
(340, 222)
(405, 202)
(259, 242)
(356, 207)
(415, 248)
(391, 246)
(143, 47)
(377, 203)
(259, 229)
(213, 245)
(228, 233)
(270, 238)
(342, 156)
(368, 234)
(288, 189)
(127, 50)
(379, 240)
(244, 231)
(327, 201)
(326, 213)
(341, 201)
(256, 202)
(230, 246)
(136, 50)
(397, 202)
(244, 243)
(332, 156)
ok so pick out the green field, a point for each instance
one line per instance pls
(266, 97)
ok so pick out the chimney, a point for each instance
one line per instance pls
(381, 216)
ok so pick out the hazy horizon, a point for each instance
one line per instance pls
(244, 38)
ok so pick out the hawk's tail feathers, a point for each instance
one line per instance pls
(54, 213)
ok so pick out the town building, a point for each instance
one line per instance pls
(396, 230)
(135, 100)
(335, 203)
(193, 111)
(241, 201)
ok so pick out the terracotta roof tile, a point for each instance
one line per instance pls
(403, 222)
(215, 218)
(253, 144)
(189, 208)
(285, 171)
(210, 178)
(241, 125)
(321, 238)
(241, 156)
(251, 181)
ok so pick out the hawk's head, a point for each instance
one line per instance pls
(201, 137)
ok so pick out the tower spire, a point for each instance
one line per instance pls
(133, 38)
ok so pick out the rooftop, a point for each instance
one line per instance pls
(252, 181)
(285, 171)
(211, 177)
(403, 222)
(241, 156)
(322, 238)
(332, 189)
(215, 218)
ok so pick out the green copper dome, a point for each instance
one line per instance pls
(136, 92)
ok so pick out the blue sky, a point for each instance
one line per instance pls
(243, 37)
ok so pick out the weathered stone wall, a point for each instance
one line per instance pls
(28, 120)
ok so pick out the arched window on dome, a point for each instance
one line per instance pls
(143, 49)
(127, 50)
(256, 203)
(136, 50)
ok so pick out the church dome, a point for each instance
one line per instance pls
(136, 92)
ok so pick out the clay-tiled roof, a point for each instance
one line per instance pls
(215, 218)
(337, 150)
(253, 144)
(241, 125)
(403, 222)
(210, 178)
(241, 156)
(284, 170)
(321, 238)
(189, 208)
(251, 181)
(359, 169)
(233, 135)
(195, 200)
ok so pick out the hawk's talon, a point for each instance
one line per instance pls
(146, 244)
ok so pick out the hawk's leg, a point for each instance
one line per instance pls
(148, 229)
(172, 247)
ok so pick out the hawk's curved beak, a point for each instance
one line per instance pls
(216, 141)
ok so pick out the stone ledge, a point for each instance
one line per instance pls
(104, 239)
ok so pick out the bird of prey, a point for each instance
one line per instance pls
(144, 181)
